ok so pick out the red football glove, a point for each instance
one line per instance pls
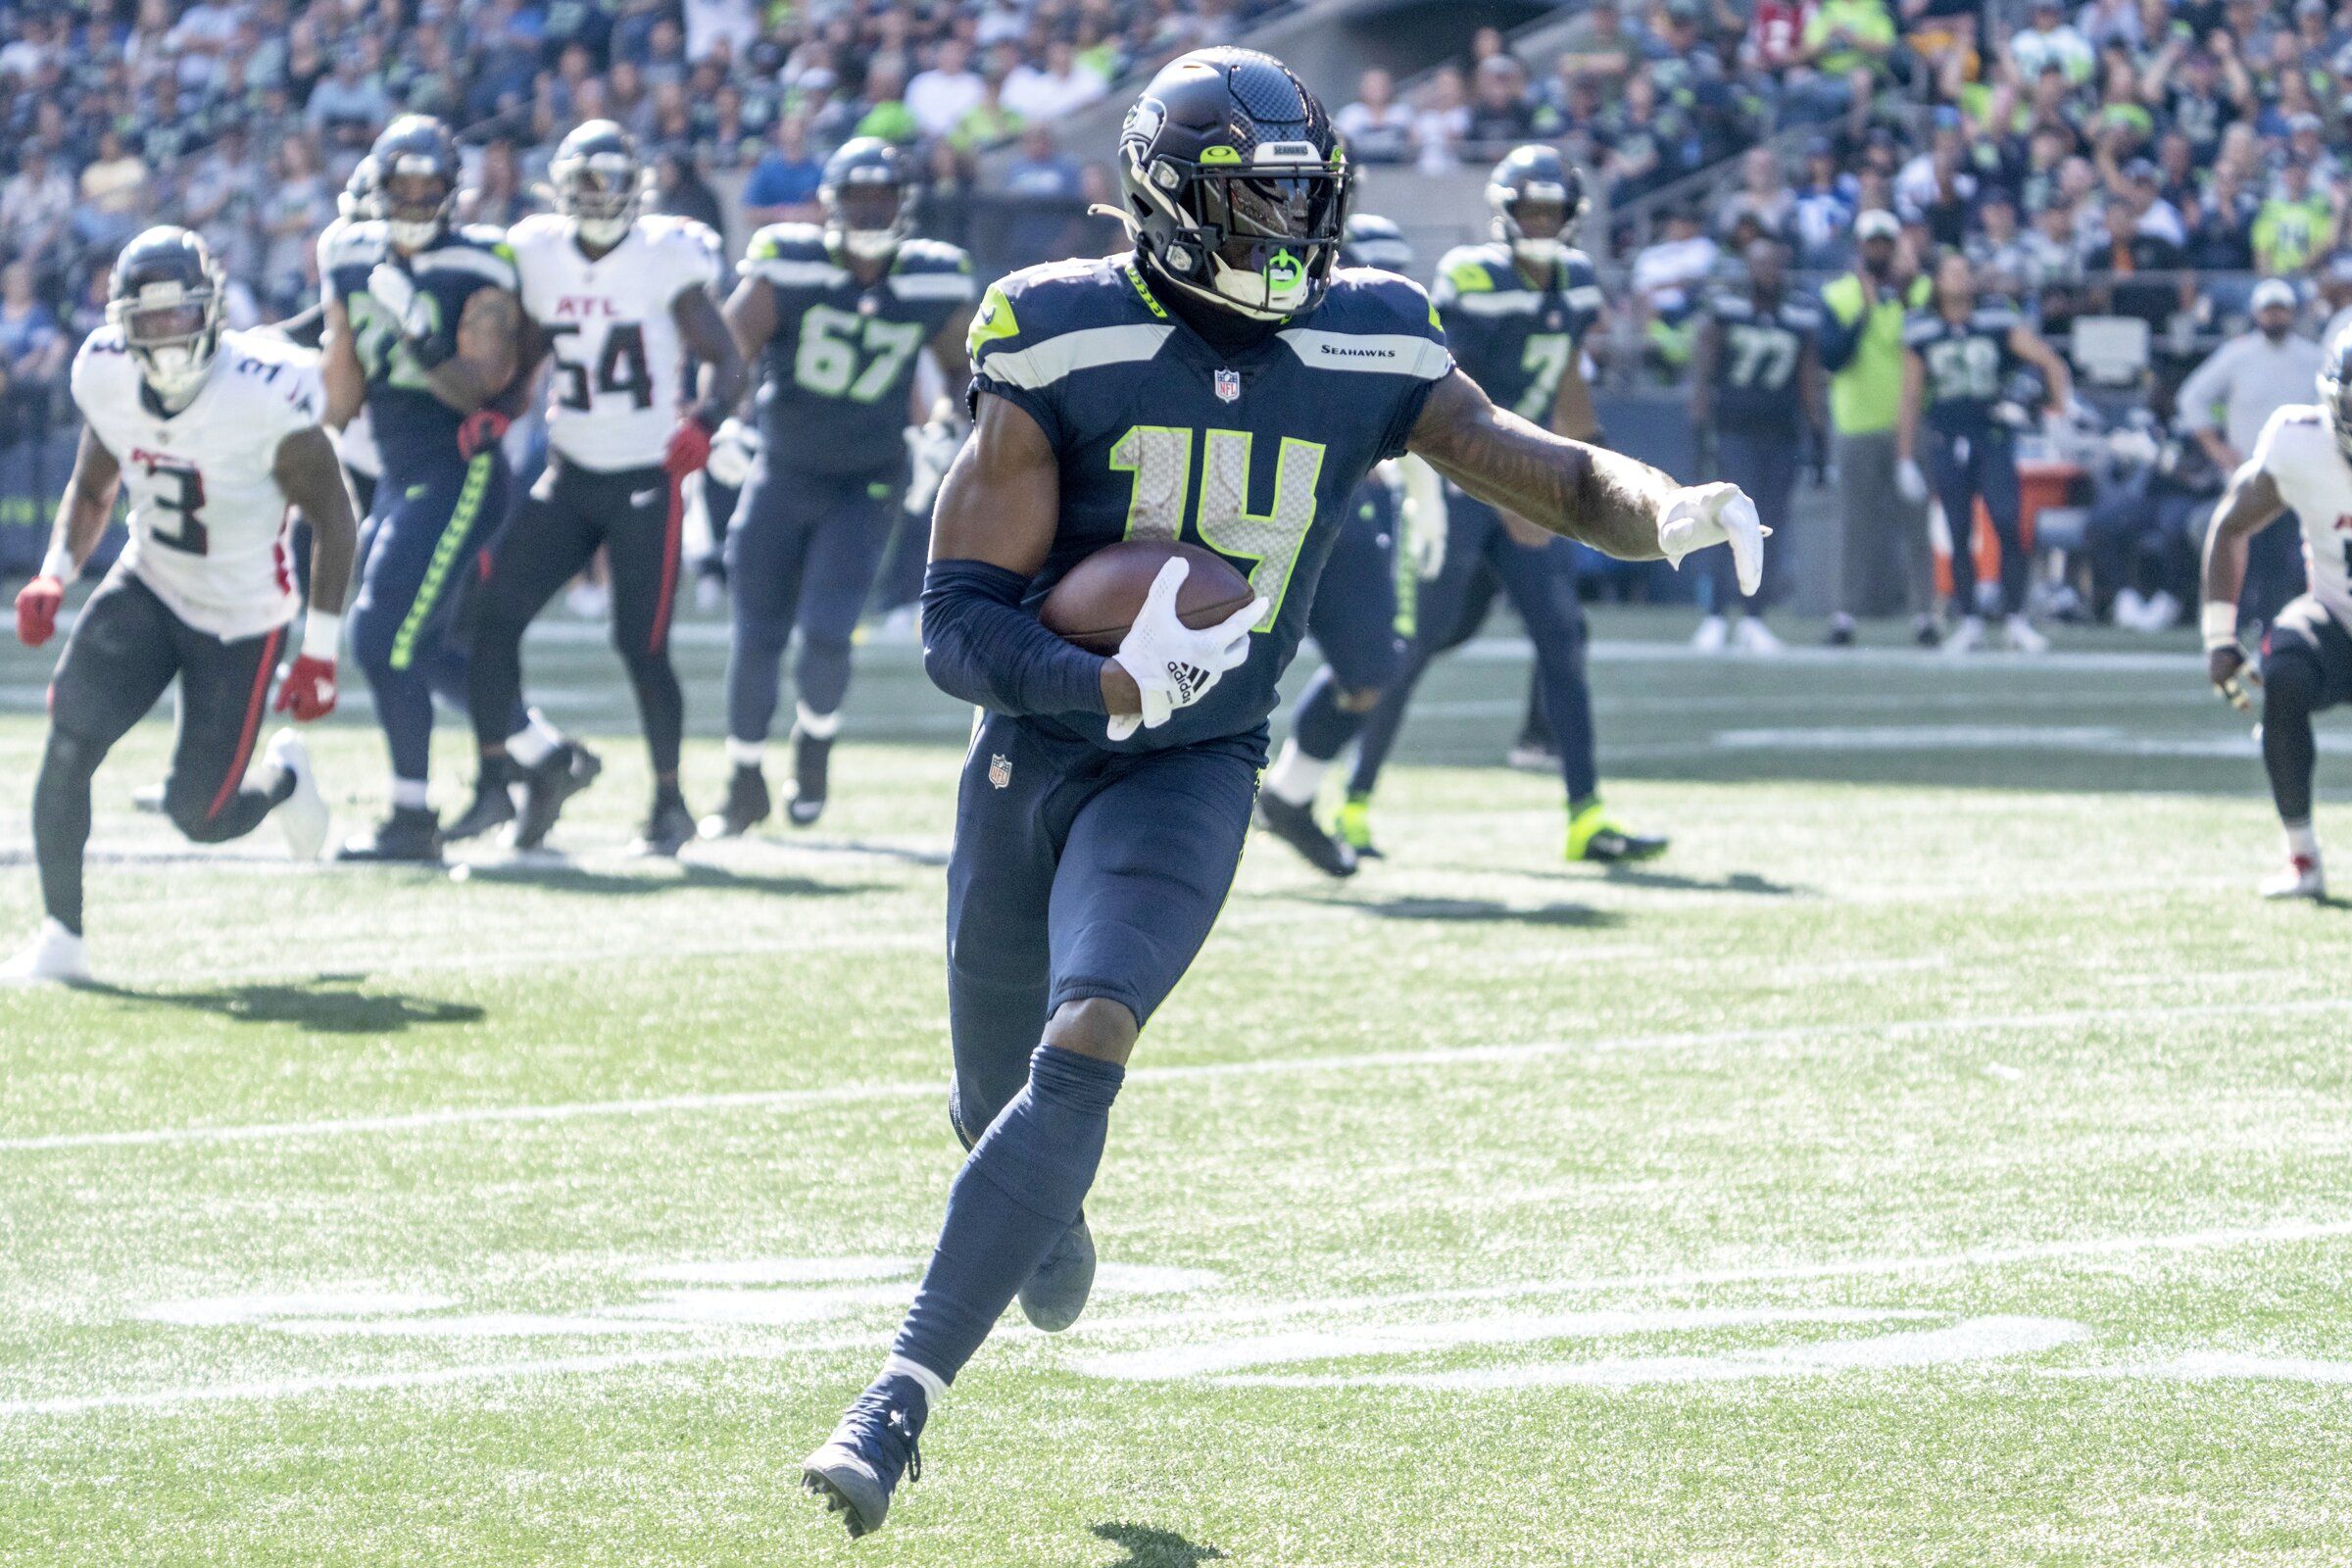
(689, 448)
(481, 431)
(309, 689)
(37, 605)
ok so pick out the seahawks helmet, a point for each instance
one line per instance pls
(1373, 241)
(2335, 389)
(868, 196)
(166, 300)
(1235, 187)
(416, 170)
(597, 181)
(362, 196)
(1539, 199)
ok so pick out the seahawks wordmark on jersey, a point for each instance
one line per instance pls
(1151, 446)
(208, 520)
(618, 371)
(1515, 340)
(833, 395)
(2297, 449)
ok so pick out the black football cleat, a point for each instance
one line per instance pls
(1296, 826)
(748, 805)
(668, 830)
(1053, 1298)
(860, 1464)
(810, 758)
(493, 808)
(411, 835)
(560, 775)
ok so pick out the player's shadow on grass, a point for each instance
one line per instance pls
(1642, 876)
(326, 1005)
(1580, 916)
(1154, 1548)
(562, 876)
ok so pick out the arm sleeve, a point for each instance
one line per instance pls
(980, 645)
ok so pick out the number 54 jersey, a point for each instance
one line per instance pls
(619, 370)
(1251, 454)
(836, 373)
(208, 520)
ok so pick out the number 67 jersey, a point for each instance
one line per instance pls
(208, 520)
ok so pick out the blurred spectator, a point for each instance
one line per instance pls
(1598, 46)
(2226, 401)
(1052, 193)
(349, 107)
(114, 194)
(36, 204)
(1054, 90)
(680, 190)
(2295, 224)
(1441, 120)
(941, 97)
(783, 185)
(1763, 195)
(300, 202)
(1885, 538)
(1500, 117)
(1376, 129)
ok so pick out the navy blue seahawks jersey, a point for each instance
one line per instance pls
(833, 398)
(1756, 363)
(1515, 340)
(1252, 455)
(416, 431)
(1967, 364)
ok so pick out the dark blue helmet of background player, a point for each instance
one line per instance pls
(416, 171)
(598, 181)
(165, 297)
(1371, 240)
(362, 193)
(868, 196)
(1539, 199)
(1235, 190)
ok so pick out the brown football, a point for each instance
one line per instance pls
(1098, 599)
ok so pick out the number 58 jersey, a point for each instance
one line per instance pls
(208, 520)
(836, 373)
(618, 371)
(1251, 454)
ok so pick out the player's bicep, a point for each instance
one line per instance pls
(704, 328)
(750, 315)
(2250, 502)
(1002, 498)
(309, 474)
(488, 331)
(96, 472)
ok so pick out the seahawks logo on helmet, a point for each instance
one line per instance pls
(165, 298)
(597, 180)
(1236, 189)
(868, 192)
(1370, 240)
(2335, 389)
(416, 171)
(1539, 200)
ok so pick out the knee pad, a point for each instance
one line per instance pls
(2290, 672)
(73, 754)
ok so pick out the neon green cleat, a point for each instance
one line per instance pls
(1354, 826)
(1594, 835)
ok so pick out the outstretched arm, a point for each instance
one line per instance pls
(84, 512)
(2247, 507)
(311, 476)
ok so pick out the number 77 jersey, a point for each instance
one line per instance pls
(839, 365)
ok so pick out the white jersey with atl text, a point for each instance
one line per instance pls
(617, 370)
(208, 520)
(2297, 449)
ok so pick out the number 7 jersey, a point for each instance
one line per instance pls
(1515, 340)
(833, 395)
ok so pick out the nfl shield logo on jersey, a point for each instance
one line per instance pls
(1000, 771)
(1229, 386)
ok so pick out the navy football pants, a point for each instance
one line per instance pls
(1762, 463)
(1962, 468)
(1078, 873)
(1354, 617)
(802, 553)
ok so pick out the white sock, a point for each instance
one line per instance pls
(2302, 844)
(817, 726)
(1296, 776)
(409, 793)
(935, 1387)
(52, 930)
(746, 753)
(535, 742)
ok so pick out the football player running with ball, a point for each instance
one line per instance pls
(2302, 461)
(618, 301)
(217, 434)
(1221, 387)
(837, 315)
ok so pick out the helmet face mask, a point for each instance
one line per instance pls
(868, 197)
(416, 179)
(598, 183)
(416, 206)
(165, 301)
(1539, 200)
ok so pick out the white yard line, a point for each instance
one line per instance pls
(1272, 1066)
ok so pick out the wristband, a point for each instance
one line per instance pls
(59, 564)
(2219, 618)
(321, 634)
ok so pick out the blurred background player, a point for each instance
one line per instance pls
(835, 315)
(1958, 356)
(1516, 312)
(1755, 402)
(617, 301)
(1365, 600)
(218, 435)
(2301, 462)
(421, 330)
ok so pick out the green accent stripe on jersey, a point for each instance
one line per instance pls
(1134, 276)
(444, 556)
(992, 322)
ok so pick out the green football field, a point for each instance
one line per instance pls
(1939, 1159)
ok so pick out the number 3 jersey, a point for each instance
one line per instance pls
(2298, 449)
(1251, 454)
(618, 365)
(836, 372)
(1513, 340)
(208, 520)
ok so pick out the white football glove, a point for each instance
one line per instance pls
(733, 447)
(931, 450)
(1910, 483)
(1701, 514)
(397, 292)
(1174, 667)
(1424, 510)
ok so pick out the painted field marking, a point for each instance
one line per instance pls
(1274, 1066)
